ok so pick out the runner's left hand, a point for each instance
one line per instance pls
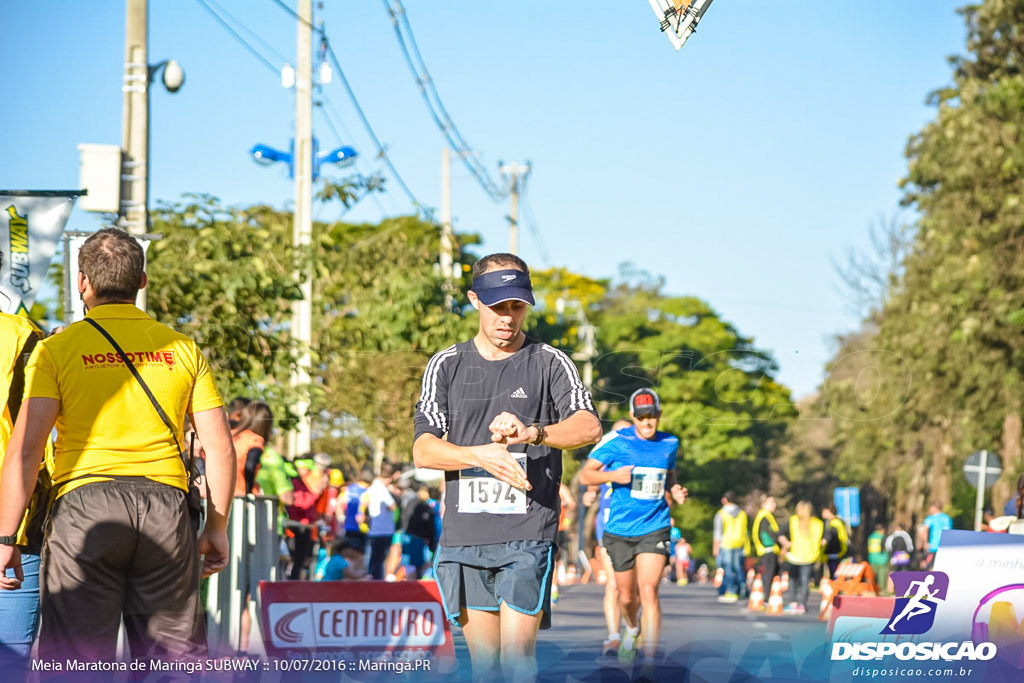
(506, 428)
(679, 494)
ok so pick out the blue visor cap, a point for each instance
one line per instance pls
(503, 285)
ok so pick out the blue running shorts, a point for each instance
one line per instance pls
(518, 573)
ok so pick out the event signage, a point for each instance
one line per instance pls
(356, 621)
(31, 223)
(966, 610)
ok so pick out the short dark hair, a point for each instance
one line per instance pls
(114, 263)
(492, 261)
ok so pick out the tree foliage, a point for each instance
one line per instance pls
(945, 351)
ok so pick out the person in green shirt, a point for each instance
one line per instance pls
(878, 558)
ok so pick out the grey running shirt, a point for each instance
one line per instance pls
(461, 393)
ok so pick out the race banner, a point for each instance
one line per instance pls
(31, 223)
(357, 626)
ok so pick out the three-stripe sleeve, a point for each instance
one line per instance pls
(566, 387)
(432, 408)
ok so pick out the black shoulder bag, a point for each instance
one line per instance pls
(38, 504)
(193, 497)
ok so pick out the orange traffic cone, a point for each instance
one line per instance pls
(775, 601)
(825, 608)
(785, 582)
(719, 576)
(756, 603)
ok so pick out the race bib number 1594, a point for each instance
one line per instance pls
(483, 493)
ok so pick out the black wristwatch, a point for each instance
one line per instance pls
(541, 435)
(8, 540)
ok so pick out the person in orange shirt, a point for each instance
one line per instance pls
(250, 435)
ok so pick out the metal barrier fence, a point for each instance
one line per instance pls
(254, 549)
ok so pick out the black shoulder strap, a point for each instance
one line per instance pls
(138, 377)
(17, 388)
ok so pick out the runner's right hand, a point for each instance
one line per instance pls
(622, 475)
(495, 458)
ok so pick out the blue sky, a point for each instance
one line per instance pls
(739, 168)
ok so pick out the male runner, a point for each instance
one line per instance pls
(640, 464)
(508, 405)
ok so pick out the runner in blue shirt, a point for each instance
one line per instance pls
(934, 524)
(640, 465)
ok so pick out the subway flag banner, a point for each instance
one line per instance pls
(358, 625)
(31, 223)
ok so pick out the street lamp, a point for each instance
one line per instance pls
(267, 155)
(173, 76)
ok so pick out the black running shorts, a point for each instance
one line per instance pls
(624, 549)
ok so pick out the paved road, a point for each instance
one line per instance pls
(702, 640)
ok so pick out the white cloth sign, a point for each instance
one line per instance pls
(31, 224)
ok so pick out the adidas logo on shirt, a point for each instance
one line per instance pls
(519, 393)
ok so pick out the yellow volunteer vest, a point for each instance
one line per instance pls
(844, 539)
(806, 546)
(14, 332)
(759, 547)
(734, 530)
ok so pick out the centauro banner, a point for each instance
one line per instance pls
(31, 223)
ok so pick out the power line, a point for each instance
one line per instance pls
(531, 222)
(248, 30)
(326, 111)
(435, 106)
(245, 43)
(381, 152)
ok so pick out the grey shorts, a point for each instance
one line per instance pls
(481, 577)
(121, 549)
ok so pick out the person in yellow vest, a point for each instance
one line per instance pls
(835, 540)
(765, 536)
(802, 540)
(731, 541)
(19, 608)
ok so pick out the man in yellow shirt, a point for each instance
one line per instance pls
(120, 541)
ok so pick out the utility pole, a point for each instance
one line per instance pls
(133, 211)
(518, 173)
(299, 440)
(446, 222)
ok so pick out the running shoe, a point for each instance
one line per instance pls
(629, 644)
(728, 597)
(648, 672)
(610, 646)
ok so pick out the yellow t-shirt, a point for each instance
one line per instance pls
(106, 424)
(14, 332)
